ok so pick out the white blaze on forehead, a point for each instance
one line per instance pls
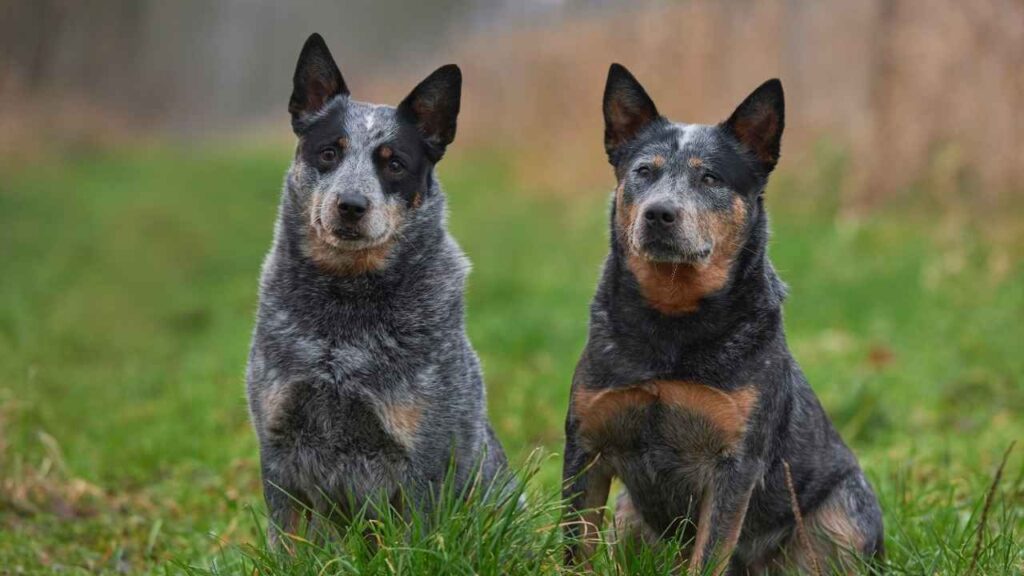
(372, 116)
(361, 118)
(687, 132)
(370, 124)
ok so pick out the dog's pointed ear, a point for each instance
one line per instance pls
(317, 80)
(433, 107)
(627, 109)
(758, 122)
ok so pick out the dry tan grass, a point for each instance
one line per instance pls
(902, 85)
(45, 486)
(919, 92)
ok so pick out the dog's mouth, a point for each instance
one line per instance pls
(659, 251)
(349, 239)
(672, 251)
(342, 236)
(347, 234)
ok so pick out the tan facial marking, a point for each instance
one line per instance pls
(386, 152)
(343, 143)
(624, 215)
(348, 262)
(672, 288)
(658, 161)
(695, 162)
(727, 411)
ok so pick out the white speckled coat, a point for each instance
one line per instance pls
(361, 381)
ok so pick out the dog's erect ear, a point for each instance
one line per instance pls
(317, 79)
(627, 109)
(433, 107)
(758, 122)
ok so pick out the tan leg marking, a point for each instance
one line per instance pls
(402, 422)
(629, 524)
(835, 541)
(272, 404)
(703, 530)
(594, 502)
(723, 553)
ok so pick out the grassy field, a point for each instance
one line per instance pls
(127, 291)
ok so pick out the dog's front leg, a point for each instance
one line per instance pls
(585, 485)
(723, 509)
(286, 511)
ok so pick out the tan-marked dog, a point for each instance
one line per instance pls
(686, 390)
(362, 384)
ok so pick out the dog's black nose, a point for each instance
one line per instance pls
(352, 206)
(660, 214)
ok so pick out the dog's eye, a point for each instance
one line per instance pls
(329, 155)
(643, 171)
(395, 166)
(710, 179)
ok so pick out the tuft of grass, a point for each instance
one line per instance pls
(127, 291)
(486, 531)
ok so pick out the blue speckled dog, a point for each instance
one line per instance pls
(686, 390)
(362, 383)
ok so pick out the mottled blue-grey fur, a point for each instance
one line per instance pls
(362, 383)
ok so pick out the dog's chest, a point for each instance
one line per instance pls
(339, 399)
(662, 423)
(333, 420)
(324, 439)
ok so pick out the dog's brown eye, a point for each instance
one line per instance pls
(328, 155)
(643, 171)
(395, 166)
(710, 179)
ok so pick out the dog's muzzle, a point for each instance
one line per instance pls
(663, 237)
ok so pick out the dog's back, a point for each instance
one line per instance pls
(362, 384)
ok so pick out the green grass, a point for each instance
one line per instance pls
(127, 290)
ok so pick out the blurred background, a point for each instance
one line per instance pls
(143, 144)
(910, 90)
